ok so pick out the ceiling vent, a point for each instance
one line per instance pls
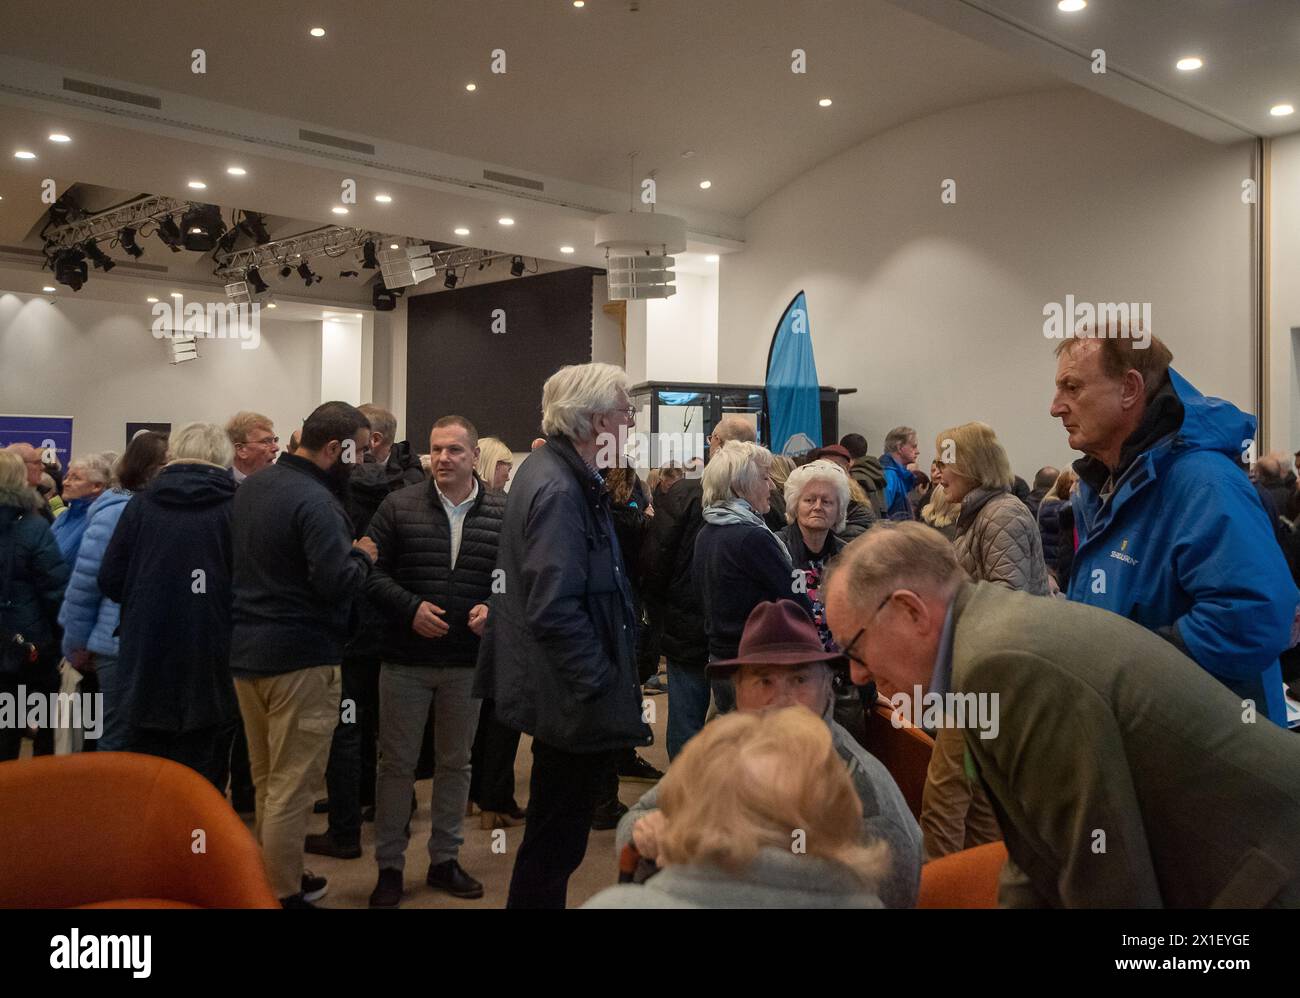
(506, 178)
(111, 93)
(321, 139)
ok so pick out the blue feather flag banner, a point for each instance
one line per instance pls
(793, 392)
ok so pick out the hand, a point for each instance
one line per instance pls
(646, 833)
(83, 660)
(428, 622)
(650, 512)
(478, 618)
(368, 546)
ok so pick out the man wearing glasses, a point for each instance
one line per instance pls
(256, 444)
(1121, 773)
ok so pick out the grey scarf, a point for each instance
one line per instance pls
(734, 511)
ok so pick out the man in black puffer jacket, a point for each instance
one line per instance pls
(437, 555)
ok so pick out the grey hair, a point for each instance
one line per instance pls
(382, 421)
(818, 471)
(738, 467)
(896, 555)
(490, 451)
(206, 442)
(576, 393)
(97, 467)
(897, 437)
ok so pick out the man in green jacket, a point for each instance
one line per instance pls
(1121, 773)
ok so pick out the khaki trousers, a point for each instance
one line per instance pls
(955, 812)
(289, 720)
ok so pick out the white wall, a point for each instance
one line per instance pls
(682, 331)
(341, 366)
(1284, 366)
(99, 363)
(934, 312)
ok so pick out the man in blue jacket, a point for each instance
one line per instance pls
(900, 451)
(1171, 532)
(558, 655)
(297, 573)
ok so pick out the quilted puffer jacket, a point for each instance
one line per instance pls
(997, 541)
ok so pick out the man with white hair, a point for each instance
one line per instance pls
(1121, 774)
(558, 655)
(253, 437)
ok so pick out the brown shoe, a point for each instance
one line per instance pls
(499, 819)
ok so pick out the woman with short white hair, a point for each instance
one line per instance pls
(87, 478)
(169, 565)
(494, 463)
(816, 503)
(738, 562)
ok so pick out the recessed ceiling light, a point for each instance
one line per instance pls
(383, 198)
(579, 3)
(318, 32)
(60, 137)
(24, 154)
(152, 301)
(271, 305)
(338, 209)
(460, 230)
(705, 184)
(1281, 110)
(471, 87)
(566, 249)
(177, 294)
(1188, 63)
(506, 221)
(197, 185)
(236, 171)
(392, 246)
(711, 258)
(824, 102)
(1072, 6)
(48, 290)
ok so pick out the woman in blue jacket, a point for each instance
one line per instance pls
(88, 617)
(88, 477)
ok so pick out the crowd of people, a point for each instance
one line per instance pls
(353, 614)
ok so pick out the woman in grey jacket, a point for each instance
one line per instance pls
(758, 811)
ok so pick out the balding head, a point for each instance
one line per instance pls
(31, 457)
(731, 427)
(1269, 469)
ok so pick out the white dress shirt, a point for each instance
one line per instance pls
(456, 516)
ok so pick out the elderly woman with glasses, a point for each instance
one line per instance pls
(738, 561)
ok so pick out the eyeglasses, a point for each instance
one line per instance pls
(266, 442)
(847, 650)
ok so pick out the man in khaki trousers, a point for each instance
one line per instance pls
(296, 573)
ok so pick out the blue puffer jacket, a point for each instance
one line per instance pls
(899, 482)
(1183, 548)
(89, 618)
(70, 527)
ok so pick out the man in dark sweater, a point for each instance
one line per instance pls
(433, 581)
(297, 572)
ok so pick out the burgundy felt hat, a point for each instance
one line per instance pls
(835, 449)
(778, 632)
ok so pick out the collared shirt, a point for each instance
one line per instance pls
(456, 513)
(941, 678)
(236, 474)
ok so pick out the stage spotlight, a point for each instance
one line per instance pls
(368, 255)
(449, 279)
(253, 225)
(98, 256)
(286, 270)
(202, 226)
(70, 268)
(170, 233)
(307, 276)
(349, 273)
(127, 238)
(517, 267)
(226, 244)
(382, 298)
(65, 210)
(255, 280)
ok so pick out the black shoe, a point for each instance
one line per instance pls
(451, 878)
(637, 770)
(296, 901)
(313, 887)
(368, 813)
(388, 891)
(606, 815)
(325, 845)
(322, 806)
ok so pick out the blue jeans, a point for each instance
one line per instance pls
(116, 690)
(688, 704)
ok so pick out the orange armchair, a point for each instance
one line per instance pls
(904, 751)
(117, 829)
(966, 879)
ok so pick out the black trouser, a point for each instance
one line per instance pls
(350, 776)
(563, 792)
(41, 678)
(200, 750)
(492, 783)
(232, 758)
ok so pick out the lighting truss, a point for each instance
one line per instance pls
(107, 224)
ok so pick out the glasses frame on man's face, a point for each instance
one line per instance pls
(847, 650)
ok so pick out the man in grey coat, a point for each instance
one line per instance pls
(782, 662)
(1122, 774)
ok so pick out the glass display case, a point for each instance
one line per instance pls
(674, 418)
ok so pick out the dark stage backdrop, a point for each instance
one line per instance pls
(457, 364)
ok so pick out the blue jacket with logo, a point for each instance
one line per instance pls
(898, 483)
(1184, 548)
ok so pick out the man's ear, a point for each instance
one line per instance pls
(918, 613)
(1133, 389)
